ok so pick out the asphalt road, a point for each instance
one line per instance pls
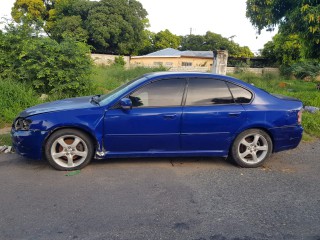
(185, 198)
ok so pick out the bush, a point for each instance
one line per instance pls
(49, 66)
(302, 69)
(119, 61)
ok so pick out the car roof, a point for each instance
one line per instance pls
(197, 74)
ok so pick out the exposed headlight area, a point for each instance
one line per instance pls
(22, 124)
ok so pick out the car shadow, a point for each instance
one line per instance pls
(166, 161)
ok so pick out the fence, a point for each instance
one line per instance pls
(259, 71)
(105, 59)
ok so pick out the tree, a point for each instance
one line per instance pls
(212, 41)
(147, 44)
(109, 26)
(300, 17)
(194, 43)
(166, 39)
(34, 11)
(283, 50)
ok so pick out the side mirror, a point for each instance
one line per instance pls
(126, 104)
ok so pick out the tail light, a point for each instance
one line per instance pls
(300, 116)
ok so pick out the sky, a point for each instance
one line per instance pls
(225, 17)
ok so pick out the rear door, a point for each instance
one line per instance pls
(210, 117)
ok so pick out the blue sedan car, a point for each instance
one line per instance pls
(162, 115)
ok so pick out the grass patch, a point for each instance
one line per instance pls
(5, 139)
(107, 78)
(307, 138)
(15, 97)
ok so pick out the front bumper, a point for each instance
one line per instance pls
(28, 144)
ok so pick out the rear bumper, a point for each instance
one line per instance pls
(28, 143)
(287, 137)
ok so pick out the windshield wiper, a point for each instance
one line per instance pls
(95, 99)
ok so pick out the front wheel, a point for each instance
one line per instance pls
(69, 149)
(251, 148)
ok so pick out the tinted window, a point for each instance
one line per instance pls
(161, 93)
(204, 92)
(240, 94)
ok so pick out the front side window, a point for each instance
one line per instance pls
(206, 92)
(167, 92)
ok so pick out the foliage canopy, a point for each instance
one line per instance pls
(300, 17)
(49, 66)
(112, 26)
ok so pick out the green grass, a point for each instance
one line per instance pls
(108, 78)
(5, 139)
(15, 96)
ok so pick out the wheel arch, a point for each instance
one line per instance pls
(263, 128)
(96, 144)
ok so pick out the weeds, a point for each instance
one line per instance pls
(5, 139)
(108, 78)
(15, 97)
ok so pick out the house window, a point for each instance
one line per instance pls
(186, 64)
(169, 63)
(157, 63)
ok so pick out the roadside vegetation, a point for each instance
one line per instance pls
(5, 139)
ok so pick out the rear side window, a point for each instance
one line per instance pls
(240, 94)
(206, 92)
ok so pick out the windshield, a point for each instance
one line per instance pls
(110, 96)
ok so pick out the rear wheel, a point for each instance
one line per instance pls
(69, 149)
(251, 148)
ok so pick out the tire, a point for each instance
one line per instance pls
(69, 149)
(251, 148)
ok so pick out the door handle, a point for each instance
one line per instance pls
(169, 116)
(234, 114)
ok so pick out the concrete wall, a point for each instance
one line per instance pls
(258, 71)
(190, 69)
(171, 62)
(105, 59)
(174, 64)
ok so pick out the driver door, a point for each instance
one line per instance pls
(153, 123)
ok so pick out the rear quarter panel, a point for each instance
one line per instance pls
(278, 117)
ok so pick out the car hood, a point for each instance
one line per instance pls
(60, 105)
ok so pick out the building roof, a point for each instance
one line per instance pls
(170, 52)
(167, 52)
(205, 54)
